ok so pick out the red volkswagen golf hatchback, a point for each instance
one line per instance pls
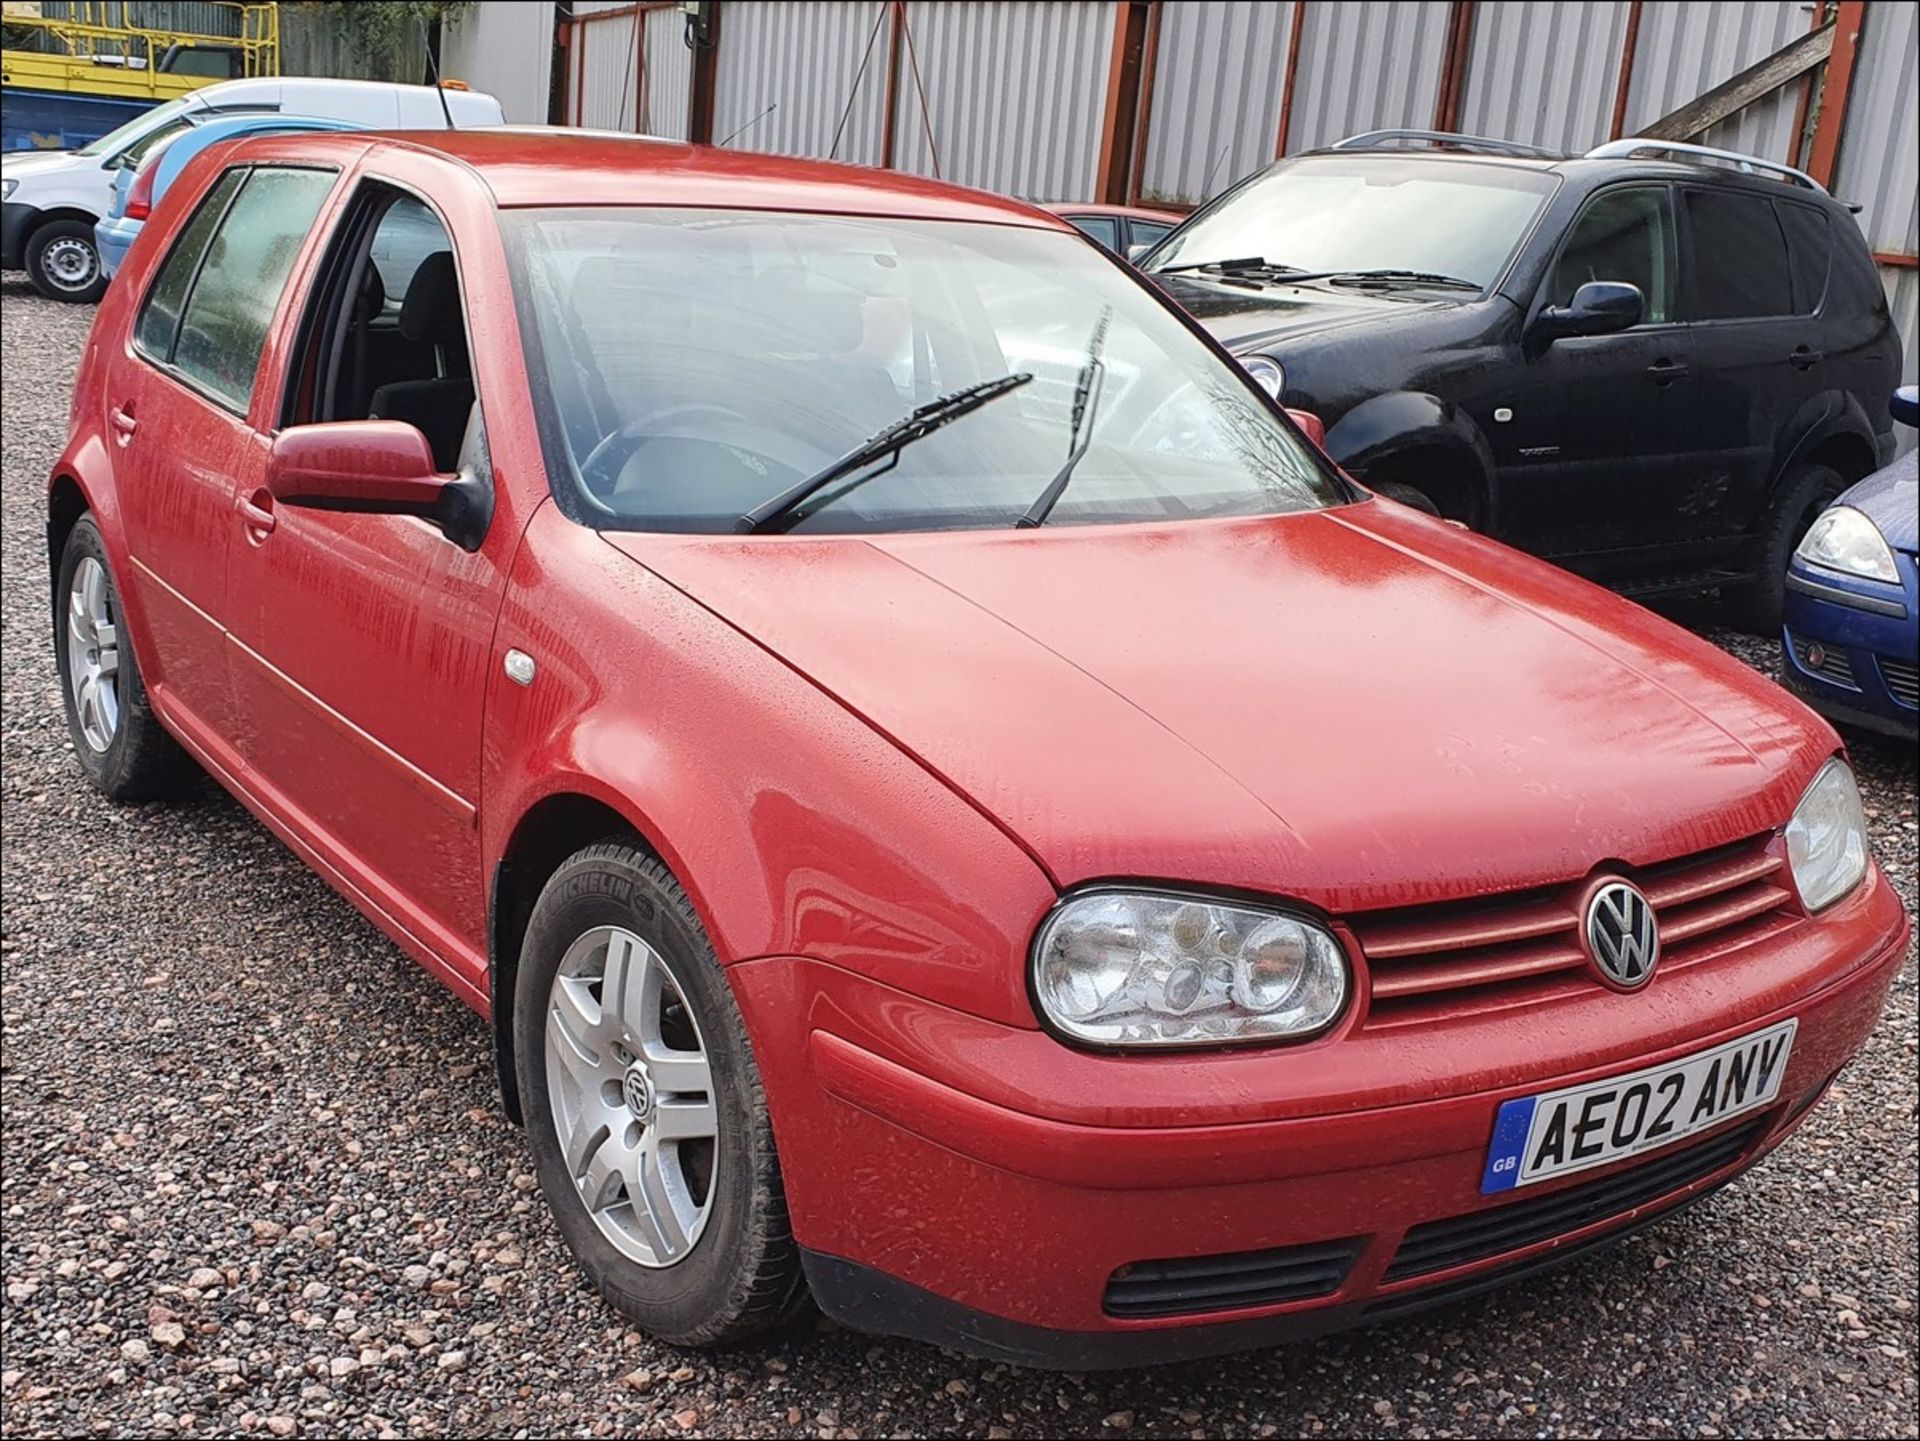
(950, 804)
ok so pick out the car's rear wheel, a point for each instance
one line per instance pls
(1756, 605)
(644, 1106)
(119, 741)
(63, 262)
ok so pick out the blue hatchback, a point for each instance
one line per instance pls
(113, 237)
(1852, 636)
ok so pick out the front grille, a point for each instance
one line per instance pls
(1226, 1283)
(1823, 660)
(1438, 1245)
(1430, 962)
(1902, 680)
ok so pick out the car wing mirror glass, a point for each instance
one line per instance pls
(1905, 405)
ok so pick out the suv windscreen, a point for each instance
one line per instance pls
(690, 365)
(1340, 213)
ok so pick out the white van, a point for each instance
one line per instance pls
(50, 199)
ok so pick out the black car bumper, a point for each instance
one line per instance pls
(866, 1299)
(14, 221)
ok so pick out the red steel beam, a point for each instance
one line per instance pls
(1123, 102)
(1453, 77)
(1899, 259)
(1287, 83)
(1629, 48)
(1833, 93)
(706, 68)
(891, 104)
(1796, 146)
(1149, 60)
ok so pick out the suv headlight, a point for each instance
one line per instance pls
(1154, 968)
(1843, 539)
(1827, 837)
(1266, 373)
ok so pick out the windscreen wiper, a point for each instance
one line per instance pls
(1402, 277)
(1086, 404)
(1243, 265)
(882, 445)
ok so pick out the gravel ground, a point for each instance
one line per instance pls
(256, 1182)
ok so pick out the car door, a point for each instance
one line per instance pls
(362, 642)
(1592, 442)
(179, 403)
(1757, 360)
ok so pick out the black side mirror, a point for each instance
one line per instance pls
(1905, 405)
(1600, 307)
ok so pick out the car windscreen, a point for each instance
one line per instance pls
(142, 131)
(689, 365)
(1345, 213)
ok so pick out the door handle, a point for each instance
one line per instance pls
(256, 513)
(1805, 357)
(123, 422)
(1664, 371)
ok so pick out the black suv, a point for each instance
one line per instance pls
(1654, 371)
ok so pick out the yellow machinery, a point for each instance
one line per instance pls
(83, 54)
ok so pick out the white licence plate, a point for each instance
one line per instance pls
(1537, 1138)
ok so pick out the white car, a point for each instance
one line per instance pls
(50, 200)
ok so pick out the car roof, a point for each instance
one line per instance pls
(1580, 169)
(527, 166)
(1132, 212)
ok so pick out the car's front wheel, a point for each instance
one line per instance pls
(63, 262)
(644, 1106)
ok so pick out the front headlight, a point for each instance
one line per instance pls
(1843, 539)
(1145, 968)
(1827, 837)
(1266, 373)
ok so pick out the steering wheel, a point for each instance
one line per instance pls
(617, 449)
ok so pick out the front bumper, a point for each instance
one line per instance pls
(15, 220)
(979, 1186)
(1868, 634)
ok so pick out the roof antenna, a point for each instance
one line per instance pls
(433, 70)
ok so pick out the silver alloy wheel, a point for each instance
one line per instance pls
(70, 263)
(93, 654)
(632, 1096)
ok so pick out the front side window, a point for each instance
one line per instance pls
(690, 365)
(1625, 236)
(1737, 265)
(223, 328)
(1337, 213)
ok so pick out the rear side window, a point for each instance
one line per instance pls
(223, 326)
(1810, 253)
(160, 316)
(1737, 258)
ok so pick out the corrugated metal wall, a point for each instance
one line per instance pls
(669, 75)
(1217, 83)
(1367, 66)
(498, 49)
(1880, 153)
(1687, 49)
(802, 58)
(1016, 94)
(1545, 74)
(604, 69)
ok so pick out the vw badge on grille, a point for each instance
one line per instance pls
(1622, 936)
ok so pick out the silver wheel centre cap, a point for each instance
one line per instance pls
(637, 1088)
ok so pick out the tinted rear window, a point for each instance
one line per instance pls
(1737, 258)
(1810, 250)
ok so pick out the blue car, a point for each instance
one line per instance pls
(1852, 636)
(114, 236)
